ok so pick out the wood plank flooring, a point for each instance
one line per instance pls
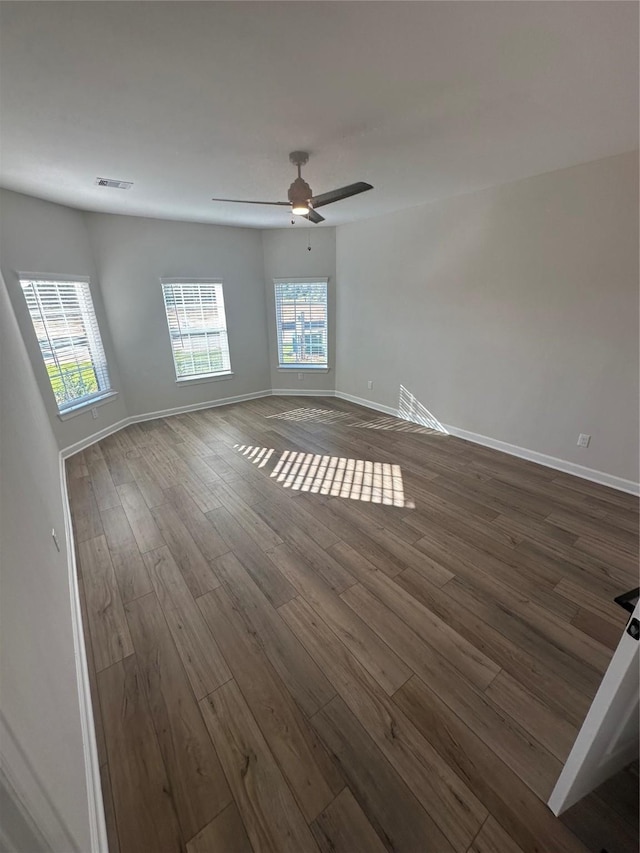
(607, 818)
(313, 629)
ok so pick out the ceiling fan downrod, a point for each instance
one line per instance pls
(300, 192)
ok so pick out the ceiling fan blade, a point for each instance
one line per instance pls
(342, 192)
(312, 216)
(246, 201)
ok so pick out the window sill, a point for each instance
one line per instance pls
(209, 377)
(87, 405)
(306, 369)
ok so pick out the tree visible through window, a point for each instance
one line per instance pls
(65, 324)
(197, 327)
(301, 323)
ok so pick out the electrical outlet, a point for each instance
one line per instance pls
(94, 413)
(300, 376)
(583, 440)
(370, 384)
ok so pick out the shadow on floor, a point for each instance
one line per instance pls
(606, 821)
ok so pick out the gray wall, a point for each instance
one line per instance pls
(132, 254)
(41, 237)
(39, 698)
(285, 252)
(512, 312)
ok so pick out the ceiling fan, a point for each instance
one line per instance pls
(301, 199)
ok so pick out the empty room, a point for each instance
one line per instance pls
(319, 427)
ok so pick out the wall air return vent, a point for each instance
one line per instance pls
(118, 185)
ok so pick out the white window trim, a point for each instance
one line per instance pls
(208, 377)
(86, 405)
(196, 377)
(306, 369)
(302, 368)
(53, 276)
(100, 397)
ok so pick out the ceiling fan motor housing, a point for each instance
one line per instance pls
(299, 192)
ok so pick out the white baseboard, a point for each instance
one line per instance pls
(554, 462)
(97, 825)
(150, 416)
(368, 404)
(301, 392)
(92, 439)
(210, 404)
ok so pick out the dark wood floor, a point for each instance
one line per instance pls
(311, 628)
(607, 819)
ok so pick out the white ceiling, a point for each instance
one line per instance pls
(192, 100)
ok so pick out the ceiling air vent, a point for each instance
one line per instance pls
(118, 185)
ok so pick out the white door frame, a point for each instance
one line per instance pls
(608, 739)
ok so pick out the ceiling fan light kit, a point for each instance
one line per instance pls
(301, 199)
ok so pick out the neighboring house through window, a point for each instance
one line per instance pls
(301, 322)
(65, 324)
(197, 327)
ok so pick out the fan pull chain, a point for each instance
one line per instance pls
(309, 238)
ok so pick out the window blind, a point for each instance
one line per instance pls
(197, 327)
(65, 324)
(301, 323)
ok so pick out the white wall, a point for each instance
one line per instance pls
(512, 312)
(133, 254)
(286, 254)
(41, 237)
(39, 697)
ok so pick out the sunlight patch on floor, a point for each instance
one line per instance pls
(258, 455)
(412, 417)
(394, 425)
(321, 416)
(333, 476)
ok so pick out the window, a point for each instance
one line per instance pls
(301, 323)
(197, 328)
(67, 330)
